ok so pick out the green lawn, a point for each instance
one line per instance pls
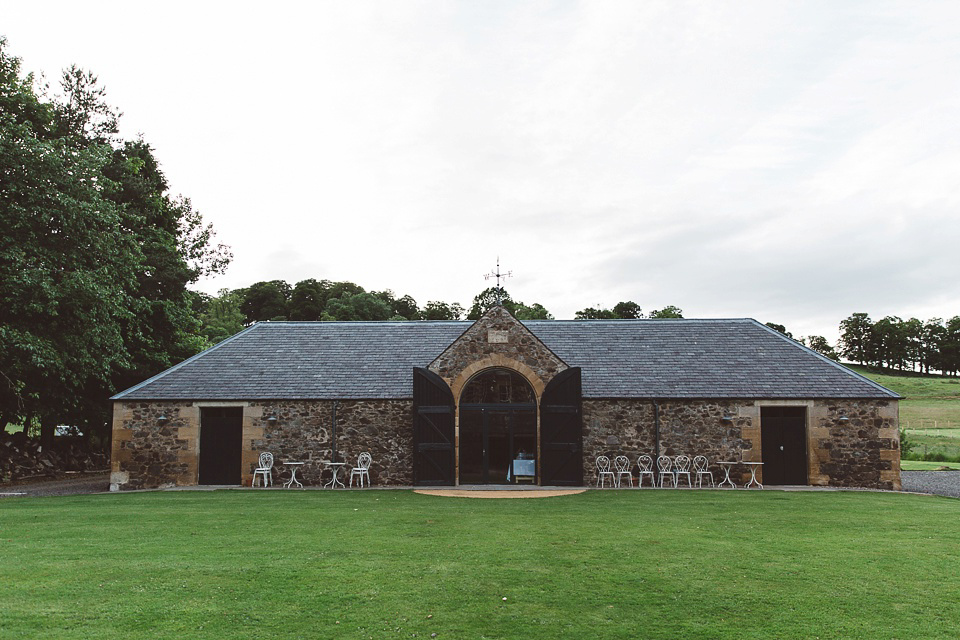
(913, 385)
(923, 465)
(385, 564)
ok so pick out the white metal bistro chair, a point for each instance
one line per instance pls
(603, 472)
(681, 467)
(362, 470)
(700, 468)
(663, 464)
(265, 469)
(645, 467)
(622, 466)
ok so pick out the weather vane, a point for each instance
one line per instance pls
(496, 274)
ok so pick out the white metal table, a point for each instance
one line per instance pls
(293, 474)
(726, 474)
(335, 469)
(753, 474)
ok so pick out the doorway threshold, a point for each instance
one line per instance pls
(500, 491)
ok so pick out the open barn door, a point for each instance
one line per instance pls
(433, 430)
(561, 430)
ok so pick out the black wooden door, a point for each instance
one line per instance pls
(783, 433)
(433, 429)
(561, 430)
(221, 440)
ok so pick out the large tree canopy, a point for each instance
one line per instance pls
(95, 258)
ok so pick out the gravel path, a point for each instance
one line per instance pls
(941, 483)
(68, 486)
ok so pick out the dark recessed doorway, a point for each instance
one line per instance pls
(221, 430)
(783, 434)
(498, 424)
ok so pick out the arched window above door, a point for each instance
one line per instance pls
(497, 386)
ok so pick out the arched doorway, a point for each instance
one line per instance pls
(498, 424)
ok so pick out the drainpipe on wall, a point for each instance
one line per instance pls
(656, 429)
(333, 454)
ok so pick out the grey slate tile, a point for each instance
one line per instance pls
(738, 358)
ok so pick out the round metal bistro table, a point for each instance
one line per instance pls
(335, 470)
(753, 475)
(726, 474)
(293, 474)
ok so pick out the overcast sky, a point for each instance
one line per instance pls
(791, 162)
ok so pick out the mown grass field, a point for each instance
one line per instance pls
(394, 564)
(923, 465)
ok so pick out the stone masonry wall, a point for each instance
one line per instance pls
(150, 453)
(861, 451)
(302, 432)
(497, 339)
(695, 427)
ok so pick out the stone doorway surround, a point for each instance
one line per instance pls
(496, 341)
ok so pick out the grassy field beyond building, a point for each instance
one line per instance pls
(929, 411)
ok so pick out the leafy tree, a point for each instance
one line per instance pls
(222, 317)
(176, 250)
(627, 310)
(435, 310)
(95, 259)
(888, 342)
(931, 337)
(779, 327)
(536, 311)
(338, 289)
(404, 308)
(265, 301)
(906, 444)
(821, 346)
(357, 306)
(855, 337)
(66, 262)
(949, 357)
(487, 299)
(82, 113)
(591, 313)
(668, 311)
(308, 299)
(912, 332)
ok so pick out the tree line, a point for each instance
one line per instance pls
(324, 300)
(95, 259)
(900, 344)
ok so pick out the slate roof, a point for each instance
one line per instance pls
(738, 358)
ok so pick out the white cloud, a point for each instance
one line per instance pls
(792, 162)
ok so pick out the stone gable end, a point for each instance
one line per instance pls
(497, 339)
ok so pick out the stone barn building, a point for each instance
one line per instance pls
(448, 403)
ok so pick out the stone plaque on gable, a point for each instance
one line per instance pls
(495, 336)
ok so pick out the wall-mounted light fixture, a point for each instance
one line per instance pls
(843, 418)
(162, 419)
(272, 420)
(726, 418)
